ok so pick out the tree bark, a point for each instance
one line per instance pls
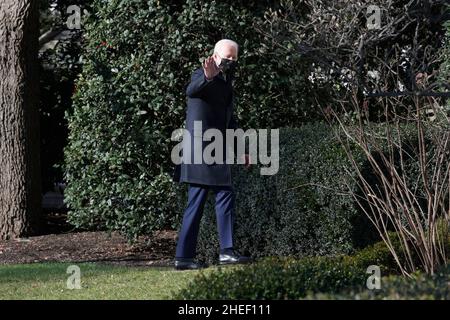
(20, 185)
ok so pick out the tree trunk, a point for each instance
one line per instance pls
(20, 185)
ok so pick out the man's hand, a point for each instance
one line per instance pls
(210, 68)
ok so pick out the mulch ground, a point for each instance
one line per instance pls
(158, 250)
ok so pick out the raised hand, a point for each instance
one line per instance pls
(210, 68)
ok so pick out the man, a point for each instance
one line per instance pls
(210, 102)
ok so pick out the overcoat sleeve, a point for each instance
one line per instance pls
(198, 84)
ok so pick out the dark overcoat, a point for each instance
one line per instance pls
(210, 102)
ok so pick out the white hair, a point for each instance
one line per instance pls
(229, 42)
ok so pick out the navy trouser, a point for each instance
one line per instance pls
(197, 195)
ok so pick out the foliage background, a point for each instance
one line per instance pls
(139, 56)
(130, 96)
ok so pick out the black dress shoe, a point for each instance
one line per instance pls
(233, 258)
(188, 264)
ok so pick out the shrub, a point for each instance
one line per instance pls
(139, 56)
(339, 277)
(290, 278)
(377, 254)
(306, 208)
(275, 278)
(420, 287)
(302, 210)
(405, 161)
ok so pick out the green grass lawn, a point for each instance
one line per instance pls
(98, 281)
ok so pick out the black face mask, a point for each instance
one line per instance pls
(227, 65)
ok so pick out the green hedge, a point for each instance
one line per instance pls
(138, 58)
(419, 287)
(290, 278)
(303, 210)
(306, 208)
(275, 278)
(339, 277)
